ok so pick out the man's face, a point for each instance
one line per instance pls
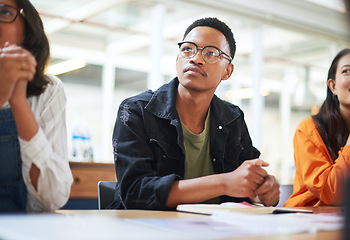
(194, 73)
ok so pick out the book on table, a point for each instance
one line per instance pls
(242, 207)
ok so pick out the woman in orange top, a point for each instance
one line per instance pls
(322, 143)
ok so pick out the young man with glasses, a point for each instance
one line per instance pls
(181, 143)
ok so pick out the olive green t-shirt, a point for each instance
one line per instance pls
(198, 162)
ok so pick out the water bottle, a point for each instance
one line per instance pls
(76, 145)
(87, 149)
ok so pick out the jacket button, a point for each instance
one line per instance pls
(220, 127)
(214, 159)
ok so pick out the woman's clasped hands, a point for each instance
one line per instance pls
(17, 67)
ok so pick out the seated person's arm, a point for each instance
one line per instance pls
(322, 177)
(249, 180)
(143, 185)
(46, 170)
(145, 174)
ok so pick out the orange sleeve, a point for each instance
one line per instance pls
(315, 168)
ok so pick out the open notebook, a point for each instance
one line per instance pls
(242, 207)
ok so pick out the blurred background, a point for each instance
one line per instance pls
(107, 50)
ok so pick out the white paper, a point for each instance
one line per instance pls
(229, 224)
(271, 224)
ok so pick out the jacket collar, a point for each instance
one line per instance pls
(163, 102)
(221, 113)
(163, 105)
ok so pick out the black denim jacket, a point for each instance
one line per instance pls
(148, 146)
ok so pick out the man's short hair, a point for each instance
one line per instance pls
(218, 25)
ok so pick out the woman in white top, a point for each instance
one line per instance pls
(34, 168)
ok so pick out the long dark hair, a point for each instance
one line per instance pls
(329, 121)
(36, 42)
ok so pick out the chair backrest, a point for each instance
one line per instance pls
(285, 192)
(106, 190)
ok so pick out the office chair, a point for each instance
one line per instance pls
(285, 192)
(106, 191)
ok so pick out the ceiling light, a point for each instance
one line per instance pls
(66, 66)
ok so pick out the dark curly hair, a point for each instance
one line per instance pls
(36, 42)
(218, 25)
(329, 121)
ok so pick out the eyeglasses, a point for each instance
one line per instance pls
(210, 54)
(8, 14)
